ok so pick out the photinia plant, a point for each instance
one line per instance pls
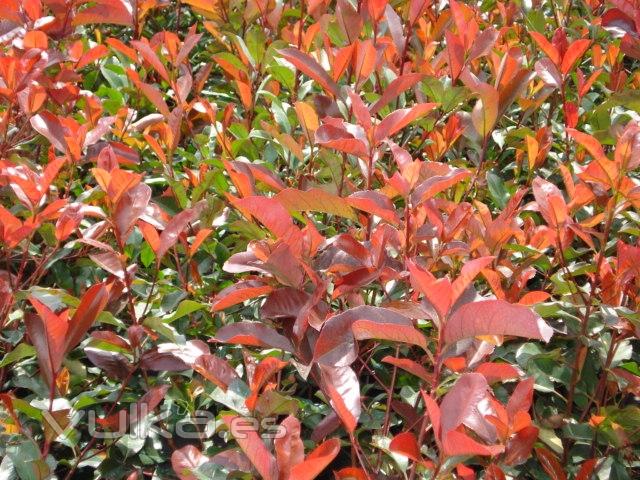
(297, 240)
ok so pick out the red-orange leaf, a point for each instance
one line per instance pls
(238, 293)
(374, 202)
(341, 386)
(215, 369)
(406, 444)
(47, 332)
(151, 57)
(574, 53)
(117, 12)
(289, 448)
(187, 459)
(245, 433)
(314, 200)
(550, 464)
(316, 461)
(310, 67)
(399, 119)
(395, 88)
(176, 226)
(460, 444)
(495, 317)
(546, 47)
(91, 305)
(254, 334)
(411, 367)
(367, 329)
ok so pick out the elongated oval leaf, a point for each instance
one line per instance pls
(495, 317)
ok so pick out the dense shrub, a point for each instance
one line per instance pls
(297, 240)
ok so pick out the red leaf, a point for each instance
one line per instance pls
(433, 411)
(395, 88)
(351, 473)
(495, 317)
(289, 448)
(153, 94)
(110, 262)
(92, 55)
(316, 461)
(574, 53)
(552, 204)
(150, 234)
(485, 112)
(548, 72)
(483, 43)
(438, 292)
(586, 469)
(464, 472)
(406, 444)
(176, 226)
(494, 472)
(341, 386)
(376, 9)
(92, 303)
(375, 203)
(470, 270)
(150, 57)
(497, 372)
(47, 332)
(520, 445)
(314, 200)
(244, 431)
(521, 398)
(49, 126)
(310, 67)
(441, 180)
(284, 303)
(187, 459)
(131, 205)
(238, 293)
(460, 444)
(115, 364)
(216, 370)
(336, 343)
(116, 12)
(455, 54)
(360, 111)
(266, 369)
(411, 367)
(367, 329)
(270, 213)
(365, 59)
(350, 245)
(254, 334)
(68, 221)
(399, 119)
(148, 403)
(512, 90)
(546, 47)
(331, 136)
(532, 298)
(460, 406)
(550, 464)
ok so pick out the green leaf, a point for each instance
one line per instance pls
(20, 352)
(497, 189)
(185, 308)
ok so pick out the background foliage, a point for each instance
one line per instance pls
(405, 232)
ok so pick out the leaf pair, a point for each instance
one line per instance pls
(160, 244)
(54, 335)
(288, 463)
